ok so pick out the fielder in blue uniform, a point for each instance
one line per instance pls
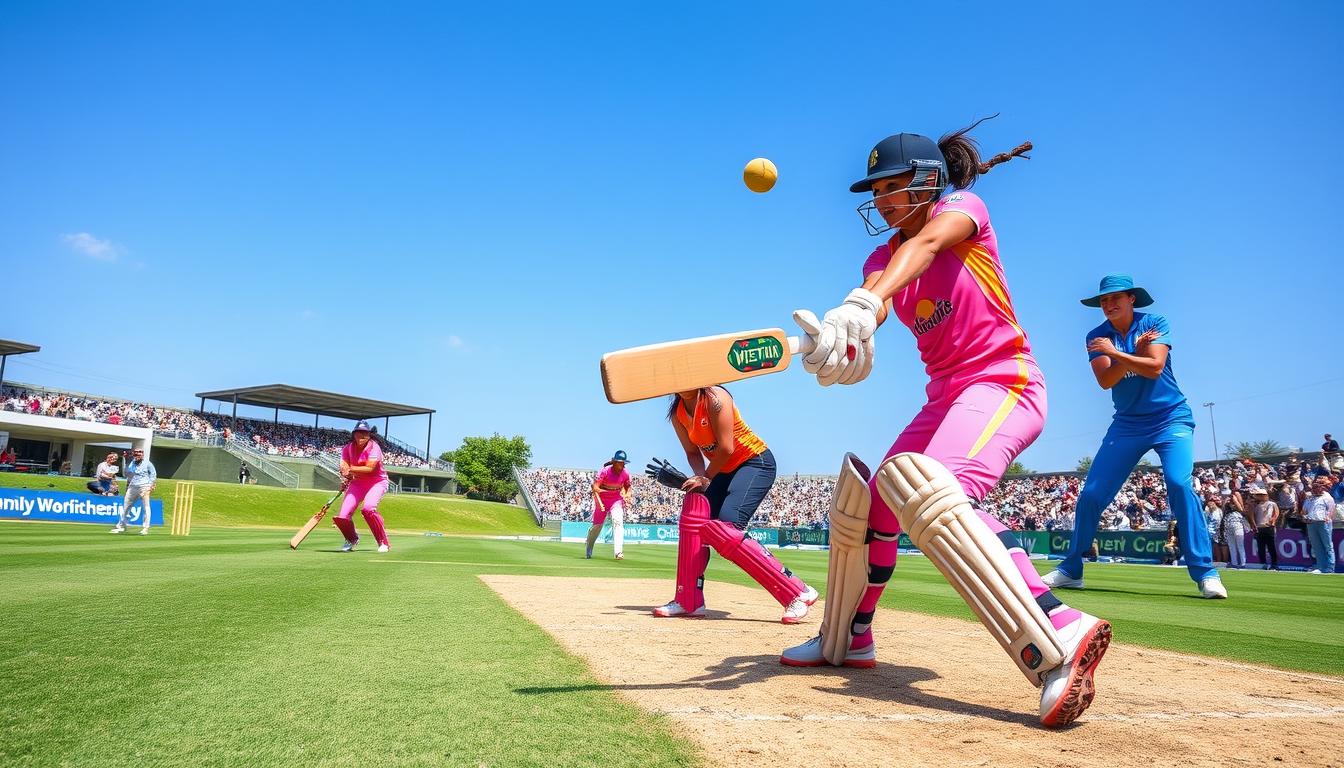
(1130, 356)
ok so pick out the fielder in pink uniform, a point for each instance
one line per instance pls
(611, 493)
(940, 276)
(362, 469)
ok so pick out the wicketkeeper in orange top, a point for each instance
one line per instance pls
(732, 471)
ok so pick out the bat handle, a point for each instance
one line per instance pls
(793, 344)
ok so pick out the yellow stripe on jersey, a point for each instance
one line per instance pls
(978, 263)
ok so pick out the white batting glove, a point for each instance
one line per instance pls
(844, 331)
(807, 341)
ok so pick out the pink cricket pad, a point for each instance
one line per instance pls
(749, 555)
(692, 554)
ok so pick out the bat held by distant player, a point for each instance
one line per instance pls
(315, 519)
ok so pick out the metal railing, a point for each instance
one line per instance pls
(192, 437)
(527, 497)
(419, 454)
(241, 449)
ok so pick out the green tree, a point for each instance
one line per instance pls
(1084, 464)
(485, 465)
(1268, 448)
(1018, 468)
(1250, 450)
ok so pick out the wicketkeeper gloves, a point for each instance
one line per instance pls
(662, 471)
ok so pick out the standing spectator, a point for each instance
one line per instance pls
(8, 457)
(55, 463)
(1330, 446)
(243, 474)
(1336, 488)
(104, 482)
(1234, 529)
(1266, 515)
(1319, 509)
(1213, 513)
(1171, 551)
(141, 478)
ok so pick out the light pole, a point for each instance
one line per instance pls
(1214, 428)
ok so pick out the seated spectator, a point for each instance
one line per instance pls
(104, 482)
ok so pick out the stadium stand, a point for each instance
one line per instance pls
(266, 437)
(1029, 502)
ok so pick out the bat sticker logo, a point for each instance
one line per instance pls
(762, 352)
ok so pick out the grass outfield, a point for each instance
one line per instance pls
(230, 504)
(226, 648)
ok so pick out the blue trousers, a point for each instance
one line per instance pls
(1120, 451)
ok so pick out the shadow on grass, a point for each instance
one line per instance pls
(885, 682)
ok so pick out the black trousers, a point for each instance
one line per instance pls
(1264, 540)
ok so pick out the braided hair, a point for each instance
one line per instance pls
(962, 154)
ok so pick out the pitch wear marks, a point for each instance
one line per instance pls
(755, 354)
(62, 507)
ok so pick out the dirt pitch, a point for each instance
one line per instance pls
(942, 694)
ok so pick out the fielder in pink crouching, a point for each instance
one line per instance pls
(940, 276)
(362, 469)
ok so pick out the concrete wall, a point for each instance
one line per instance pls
(201, 463)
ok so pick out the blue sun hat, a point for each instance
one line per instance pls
(617, 456)
(1117, 282)
(361, 426)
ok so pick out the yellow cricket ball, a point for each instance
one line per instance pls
(760, 175)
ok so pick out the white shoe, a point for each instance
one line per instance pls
(797, 609)
(144, 531)
(382, 548)
(674, 609)
(349, 546)
(1211, 587)
(1068, 689)
(1058, 579)
(809, 655)
(117, 529)
(1316, 571)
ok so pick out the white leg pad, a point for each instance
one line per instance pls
(847, 570)
(940, 520)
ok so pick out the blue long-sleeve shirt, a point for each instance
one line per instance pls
(141, 473)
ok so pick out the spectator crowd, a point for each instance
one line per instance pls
(268, 437)
(1032, 502)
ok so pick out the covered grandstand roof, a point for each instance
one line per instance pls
(291, 398)
(17, 347)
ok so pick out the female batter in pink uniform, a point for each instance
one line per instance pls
(611, 494)
(940, 275)
(362, 469)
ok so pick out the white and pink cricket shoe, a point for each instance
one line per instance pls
(674, 609)
(1068, 689)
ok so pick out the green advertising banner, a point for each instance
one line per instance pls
(1130, 545)
(810, 537)
(769, 537)
(1033, 542)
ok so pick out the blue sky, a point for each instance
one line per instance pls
(464, 207)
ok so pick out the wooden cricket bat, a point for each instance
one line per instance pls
(640, 373)
(313, 521)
